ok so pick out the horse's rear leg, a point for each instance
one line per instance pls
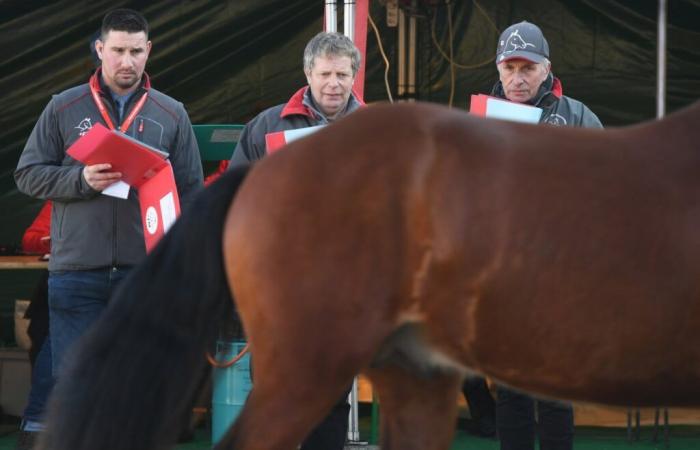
(289, 397)
(254, 428)
(418, 411)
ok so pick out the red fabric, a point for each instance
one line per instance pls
(223, 165)
(41, 227)
(295, 105)
(557, 88)
(361, 14)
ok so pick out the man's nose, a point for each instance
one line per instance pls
(518, 78)
(126, 60)
(333, 80)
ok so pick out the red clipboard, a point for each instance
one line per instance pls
(478, 104)
(498, 108)
(143, 167)
(274, 141)
(160, 205)
(137, 162)
(278, 139)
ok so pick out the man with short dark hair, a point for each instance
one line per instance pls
(331, 62)
(95, 238)
(525, 76)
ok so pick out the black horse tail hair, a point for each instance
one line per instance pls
(135, 373)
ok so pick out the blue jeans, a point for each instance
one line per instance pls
(42, 383)
(76, 299)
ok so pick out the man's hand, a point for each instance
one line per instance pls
(98, 176)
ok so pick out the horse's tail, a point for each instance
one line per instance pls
(137, 370)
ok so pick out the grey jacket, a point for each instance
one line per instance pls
(298, 112)
(558, 109)
(90, 230)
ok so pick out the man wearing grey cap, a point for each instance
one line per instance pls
(525, 76)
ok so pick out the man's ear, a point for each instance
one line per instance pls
(99, 47)
(547, 70)
(149, 45)
(308, 76)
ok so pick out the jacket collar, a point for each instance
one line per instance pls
(301, 104)
(550, 89)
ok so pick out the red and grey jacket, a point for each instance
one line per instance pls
(90, 230)
(298, 112)
(557, 108)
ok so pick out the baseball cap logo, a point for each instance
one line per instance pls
(522, 40)
(515, 42)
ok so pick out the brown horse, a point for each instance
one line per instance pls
(414, 244)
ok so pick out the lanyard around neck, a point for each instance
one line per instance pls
(95, 91)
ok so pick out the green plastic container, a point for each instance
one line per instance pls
(231, 387)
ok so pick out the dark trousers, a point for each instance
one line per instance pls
(515, 420)
(41, 385)
(39, 356)
(482, 407)
(330, 434)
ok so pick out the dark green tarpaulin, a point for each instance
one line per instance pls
(227, 60)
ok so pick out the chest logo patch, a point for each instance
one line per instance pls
(84, 126)
(556, 119)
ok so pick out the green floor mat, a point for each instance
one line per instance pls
(586, 438)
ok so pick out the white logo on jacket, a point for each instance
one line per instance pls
(84, 126)
(555, 119)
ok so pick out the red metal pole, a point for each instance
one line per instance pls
(361, 13)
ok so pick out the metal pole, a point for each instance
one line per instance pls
(349, 19)
(353, 419)
(401, 56)
(412, 33)
(661, 62)
(331, 16)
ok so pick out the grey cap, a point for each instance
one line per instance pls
(523, 40)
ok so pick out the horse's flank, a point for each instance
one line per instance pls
(561, 261)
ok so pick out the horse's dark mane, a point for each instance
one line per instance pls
(154, 333)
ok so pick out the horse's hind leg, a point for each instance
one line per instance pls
(262, 425)
(418, 411)
(275, 419)
(292, 392)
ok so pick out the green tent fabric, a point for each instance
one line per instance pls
(228, 60)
